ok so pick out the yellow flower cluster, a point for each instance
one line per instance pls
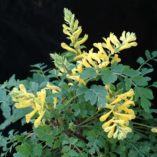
(25, 99)
(73, 31)
(106, 54)
(116, 121)
(114, 45)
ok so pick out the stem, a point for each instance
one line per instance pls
(144, 64)
(125, 77)
(74, 97)
(89, 119)
(143, 125)
(77, 148)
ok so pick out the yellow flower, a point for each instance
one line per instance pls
(55, 89)
(80, 42)
(105, 116)
(21, 97)
(76, 78)
(115, 59)
(108, 45)
(128, 40)
(73, 32)
(68, 48)
(30, 115)
(41, 96)
(116, 121)
(24, 99)
(54, 102)
(38, 121)
(121, 132)
(24, 103)
(114, 45)
(92, 59)
(110, 131)
(154, 130)
(123, 97)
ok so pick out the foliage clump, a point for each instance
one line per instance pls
(90, 104)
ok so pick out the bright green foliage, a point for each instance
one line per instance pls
(96, 95)
(89, 74)
(108, 76)
(77, 95)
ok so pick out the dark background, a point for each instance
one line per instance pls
(31, 29)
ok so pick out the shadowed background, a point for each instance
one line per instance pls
(31, 29)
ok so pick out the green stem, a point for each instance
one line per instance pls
(89, 119)
(73, 98)
(125, 77)
(144, 63)
(143, 125)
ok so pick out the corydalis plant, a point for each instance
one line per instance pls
(105, 55)
(88, 91)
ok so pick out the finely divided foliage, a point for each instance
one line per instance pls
(89, 105)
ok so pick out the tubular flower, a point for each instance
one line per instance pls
(76, 78)
(115, 59)
(116, 121)
(103, 58)
(92, 59)
(73, 31)
(24, 99)
(114, 45)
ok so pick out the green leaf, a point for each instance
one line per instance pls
(44, 133)
(81, 90)
(88, 74)
(6, 110)
(154, 84)
(154, 54)
(145, 71)
(145, 103)
(73, 140)
(5, 124)
(3, 141)
(145, 95)
(5, 103)
(148, 54)
(117, 68)
(25, 149)
(3, 95)
(34, 86)
(65, 149)
(91, 96)
(12, 82)
(128, 71)
(132, 153)
(140, 60)
(96, 95)
(128, 83)
(140, 80)
(19, 113)
(108, 76)
(37, 150)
